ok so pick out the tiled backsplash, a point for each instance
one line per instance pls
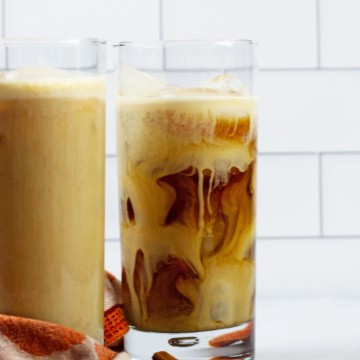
(309, 126)
(310, 195)
(340, 26)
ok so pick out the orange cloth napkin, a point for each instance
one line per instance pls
(22, 338)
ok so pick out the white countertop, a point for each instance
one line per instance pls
(308, 329)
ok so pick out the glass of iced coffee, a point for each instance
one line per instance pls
(52, 149)
(187, 131)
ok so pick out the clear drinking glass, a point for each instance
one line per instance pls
(52, 151)
(186, 131)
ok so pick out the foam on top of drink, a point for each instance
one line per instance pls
(47, 82)
(175, 124)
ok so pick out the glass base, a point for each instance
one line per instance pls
(230, 343)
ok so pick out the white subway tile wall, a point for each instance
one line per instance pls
(285, 29)
(340, 29)
(304, 111)
(309, 125)
(113, 20)
(308, 267)
(341, 188)
(288, 193)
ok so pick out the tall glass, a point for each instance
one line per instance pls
(186, 130)
(52, 150)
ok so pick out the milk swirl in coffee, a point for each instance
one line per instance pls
(187, 168)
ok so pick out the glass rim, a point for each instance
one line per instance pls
(51, 41)
(153, 43)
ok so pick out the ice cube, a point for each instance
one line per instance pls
(133, 82)
(227, 84)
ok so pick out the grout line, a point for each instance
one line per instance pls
(3, 18)
(294, 69)
(161, 32)
(209, 69)
(308, 153)
(161, 21)
(3, 30)
(287, 153)
(318, 34)
(345, 152)
(321, 196)
(309, 237)
(290, 237)
(266, 69)
(260, 70)
(318, 69)
(313, 298)
(340, 68)
(292, 153)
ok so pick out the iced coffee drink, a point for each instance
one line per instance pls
(187, 168)
(52, 198)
